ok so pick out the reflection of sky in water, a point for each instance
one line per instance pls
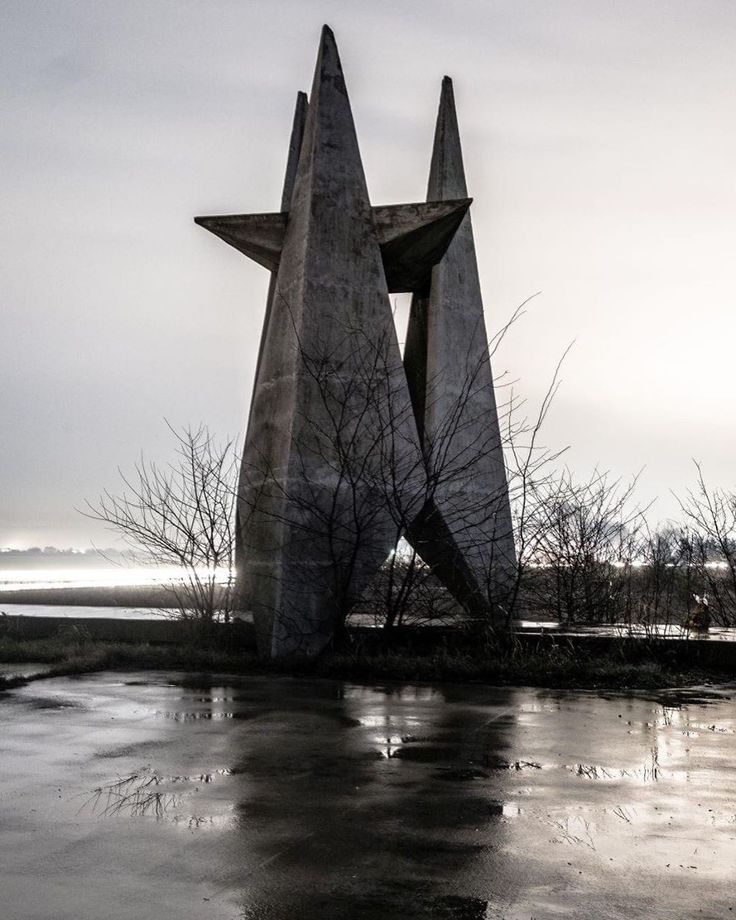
(562, 779)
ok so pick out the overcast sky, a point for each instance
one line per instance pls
(600, 148)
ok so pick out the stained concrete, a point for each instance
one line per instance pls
(315, 527)
(343, 454)
(464, 532)
(273, 798)
(345, 451)
(292, 161)
(412, 238)
(331, 420)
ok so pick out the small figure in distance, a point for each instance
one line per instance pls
(699, 618)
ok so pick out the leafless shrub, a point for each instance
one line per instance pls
(585, 538)
(710, 515)
(181, 515)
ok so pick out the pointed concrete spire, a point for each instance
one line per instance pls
(465, 533)
(261, 236)
(295, 148)
(330, 343)
(292, 163)
(447, 173)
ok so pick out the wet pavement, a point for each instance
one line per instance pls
(133, 796)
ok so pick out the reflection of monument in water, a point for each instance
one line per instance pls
(347, 447)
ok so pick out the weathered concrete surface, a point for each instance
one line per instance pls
(333, 470)
(270, 798)
(292, 161)
(258, 236)
(331, 418)
(412, 238)
(465, 532)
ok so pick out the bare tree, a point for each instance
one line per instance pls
(663, 581)
(532, 470)
(711, 516)
(181, 515)
(585, 538)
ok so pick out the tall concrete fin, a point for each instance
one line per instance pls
(446, 172)
(295, 148)
(292, 163)
(314, 525)
(465, 532)
(414, 237)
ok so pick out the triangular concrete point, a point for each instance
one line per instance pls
(413, 239)
(258, 236)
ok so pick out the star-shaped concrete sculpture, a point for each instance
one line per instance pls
(304, 551)
(338, 444)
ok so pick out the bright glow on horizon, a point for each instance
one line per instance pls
(20, 579)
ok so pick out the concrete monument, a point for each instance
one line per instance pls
(337, 448)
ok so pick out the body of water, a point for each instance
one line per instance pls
(64, 612)
(47, 576)
(85, 576)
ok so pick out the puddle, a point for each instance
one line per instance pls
(676, 699)
(50, 702)
(149, 793)
(140, 794)
(575, 831)
(388, 901)
(205, 715)
(496, 763)
(714, 727)
(426, 754)
(460, 774)
(138, 750)
(206, 822)
(650, 772)
(470, 794)
(504, 809)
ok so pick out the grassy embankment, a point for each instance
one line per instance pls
(556, 665)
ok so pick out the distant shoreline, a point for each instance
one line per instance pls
(94, 596)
